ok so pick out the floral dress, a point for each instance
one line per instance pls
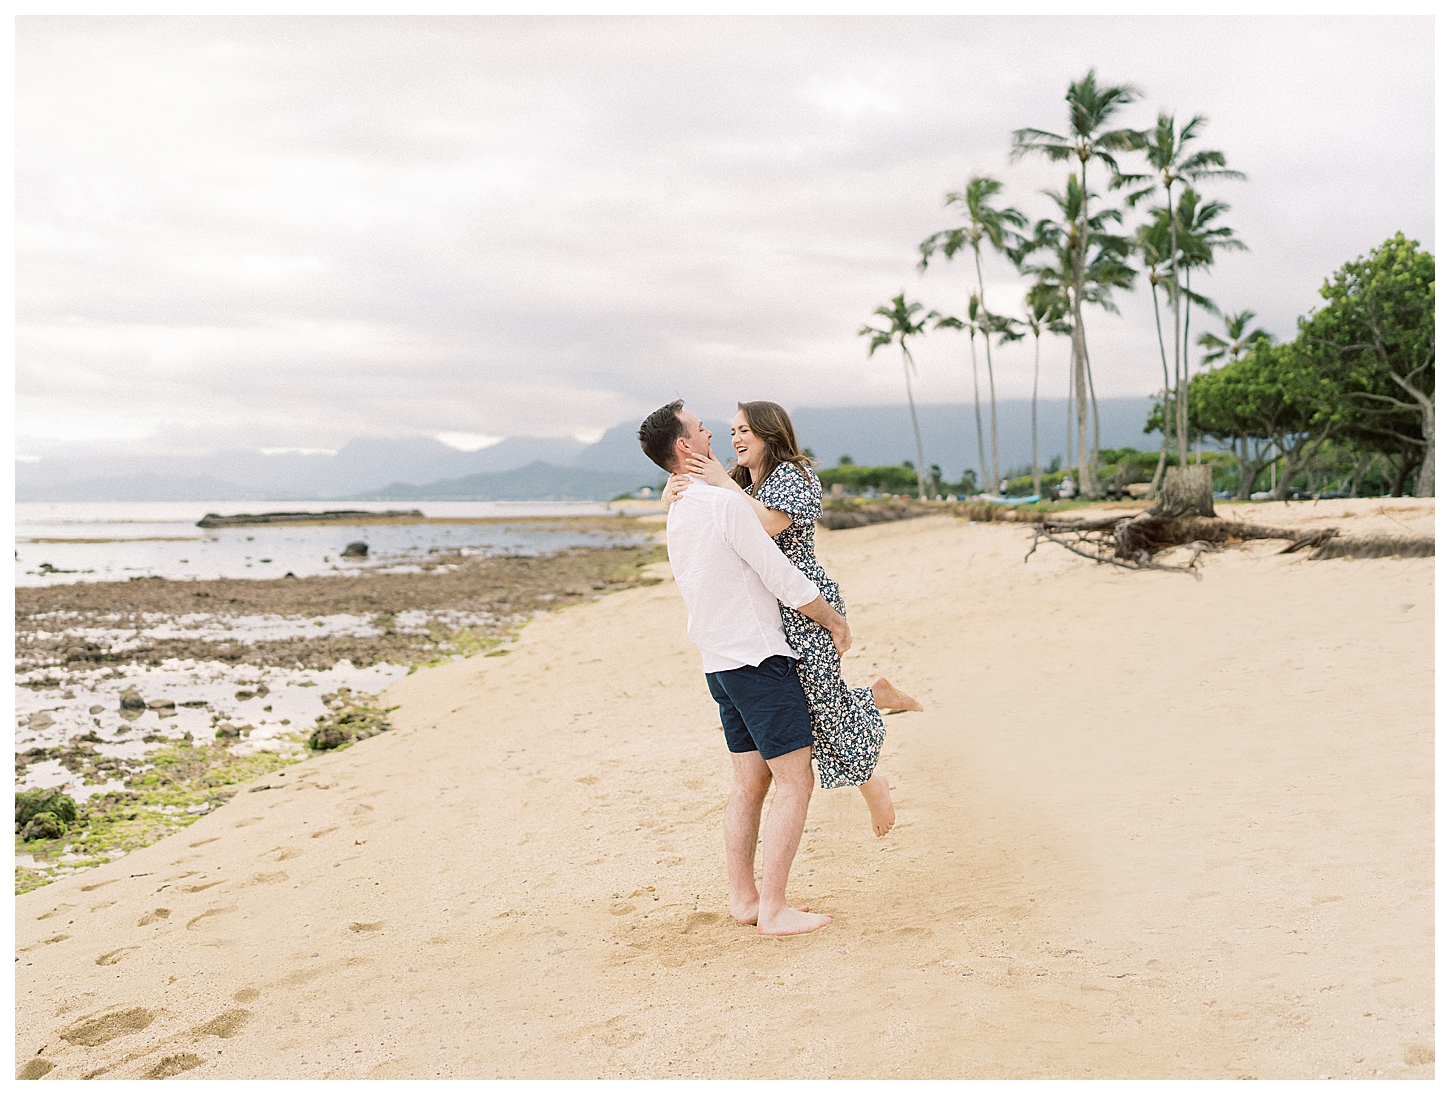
(848, 729)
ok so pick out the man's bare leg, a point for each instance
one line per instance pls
(794, 782)
(890, 698)
(877, 793)
(742, 830)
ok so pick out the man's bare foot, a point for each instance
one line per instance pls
(890, 698)
(877, 793)
(748, 914)
(792, 922)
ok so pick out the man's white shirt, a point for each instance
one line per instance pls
(732, 576)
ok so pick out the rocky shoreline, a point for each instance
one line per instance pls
(148, 702)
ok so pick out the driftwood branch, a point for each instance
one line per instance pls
(1132, 542)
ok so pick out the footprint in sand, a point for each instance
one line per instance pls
(698, 920)
(619, 908)
(110, 958)
(358, 926)
(246, 995)
(208, 840)
(202, 886)
(278, 854)
(98, 885)
(153, 916)
(225, 1025)
(264, 879)
(59, 910)
(35, 1068)
(98, 1031)
(209, 913)
(324, 832)
(173, 1065)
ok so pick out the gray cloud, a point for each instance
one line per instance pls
(292, 231)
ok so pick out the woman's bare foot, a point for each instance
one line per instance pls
(890, 698)
(792, 922)
(877, 793)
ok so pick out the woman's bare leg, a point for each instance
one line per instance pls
(890, 698)
(877, 793)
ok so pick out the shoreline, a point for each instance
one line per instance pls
(235, 675)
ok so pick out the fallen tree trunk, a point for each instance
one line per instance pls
(1131, 542)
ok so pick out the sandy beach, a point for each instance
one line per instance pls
(1149, 826)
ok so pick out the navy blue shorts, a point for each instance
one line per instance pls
(762, 707)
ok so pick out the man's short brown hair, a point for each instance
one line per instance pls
(659, 432)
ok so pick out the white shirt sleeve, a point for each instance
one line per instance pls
(745, 536)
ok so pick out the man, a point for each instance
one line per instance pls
(734, 579)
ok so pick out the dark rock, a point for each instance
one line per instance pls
(43, 827)
(355, 550)
(51, 801)
(40, 720)
(329, 736)
(161, 705)
(227, 732)
(96, 709)
(245, 694)
(131, 701)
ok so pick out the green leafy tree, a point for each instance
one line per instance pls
(1091, 108)
(1375, 336)
(1277, 401)
(984, 222)
(901, 324)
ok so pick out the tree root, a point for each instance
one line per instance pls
(1132, 542)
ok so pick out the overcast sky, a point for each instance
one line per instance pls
(287, 232)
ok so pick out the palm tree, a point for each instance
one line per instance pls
(975, 324)
(1238, 341)
(1045, 310)
(995, 226)
(1090, 108)
(1198, 241)
(1153, 244)
(1078, 280)
(1166, 150)
(901, 324)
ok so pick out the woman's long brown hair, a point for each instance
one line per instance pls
(769, 422)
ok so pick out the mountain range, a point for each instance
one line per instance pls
(547, 468)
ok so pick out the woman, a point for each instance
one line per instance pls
(776, 476)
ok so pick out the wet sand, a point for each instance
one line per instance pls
(1148, 827)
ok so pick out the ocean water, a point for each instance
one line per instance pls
(114, 541)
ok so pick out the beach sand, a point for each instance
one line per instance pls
(1148, 827)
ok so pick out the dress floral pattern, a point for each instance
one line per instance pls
(847, 727)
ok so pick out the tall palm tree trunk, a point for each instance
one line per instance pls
(1067, 452)
(977, 406)
(1167, 407)
(991, 380)
(906, 364)
(1036, 463)
(1086, 479)
(1180, 394)
(1187, 365)
(1087, 470)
